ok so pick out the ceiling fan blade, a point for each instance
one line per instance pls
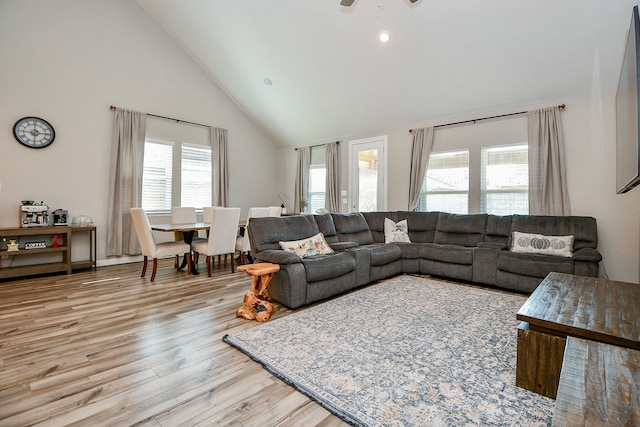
(346, 3)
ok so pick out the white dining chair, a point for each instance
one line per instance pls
(275, 210)
(185, 215)
(242, 243)
(222, 237)
(153, 250)
(207, 212)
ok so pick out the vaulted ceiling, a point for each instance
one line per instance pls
(331, 77)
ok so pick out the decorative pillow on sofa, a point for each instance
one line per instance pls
(396, 231)
(541, 244)
(311, 246)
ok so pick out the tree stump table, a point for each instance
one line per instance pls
(256, 303)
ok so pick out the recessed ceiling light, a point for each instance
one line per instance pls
(268, 81)
(384, 37)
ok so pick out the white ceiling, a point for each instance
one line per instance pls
(446, 59)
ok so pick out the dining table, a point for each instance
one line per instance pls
(188, 231)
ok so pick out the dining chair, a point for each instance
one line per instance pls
(207, 212)
(153, 250)
(222, 237)
(275, 210)
(185, 215)
(242, 243)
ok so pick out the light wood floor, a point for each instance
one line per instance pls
(108, 348)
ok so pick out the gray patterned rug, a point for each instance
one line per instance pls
(409, 351)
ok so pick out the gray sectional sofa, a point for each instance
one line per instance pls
(474, 248)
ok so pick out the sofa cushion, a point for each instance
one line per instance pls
(375, 222)
(498, 229)
(452, 254)
(540, 244)
(311, 246)
(352, 227)
(326, 227)
(463, 230)
(534, 265)
(409, 250)
(381, 254)
(396, 232)
(328, 266)
(583, 228)
(267, 232)
(421, 225)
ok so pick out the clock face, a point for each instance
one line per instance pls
(34, 132)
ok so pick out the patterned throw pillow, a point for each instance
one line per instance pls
(541, 244)
(311, 246)
(396, 232)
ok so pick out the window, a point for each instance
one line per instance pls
(157, 175)
(317, 180)
(446, 184)
(175, 174)
(195, 184)
(505, 179)
(317, 187)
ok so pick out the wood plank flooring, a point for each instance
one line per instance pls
(107, 348)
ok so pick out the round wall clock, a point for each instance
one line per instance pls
(34, 132)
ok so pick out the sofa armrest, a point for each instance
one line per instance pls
(341, 246)
(277, 256)
(587, 254)
(492, 245)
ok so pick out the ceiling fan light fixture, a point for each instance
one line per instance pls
(384, 37)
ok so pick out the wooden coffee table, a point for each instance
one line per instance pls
(564, 305)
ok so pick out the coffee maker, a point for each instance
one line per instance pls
(34, 214)
(60, 217)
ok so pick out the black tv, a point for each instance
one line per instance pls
(627, 110)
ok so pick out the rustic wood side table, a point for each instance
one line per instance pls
(565, 305)
(256, 303)
(599, 385)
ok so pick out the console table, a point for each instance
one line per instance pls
(61, 263)
(563, 305)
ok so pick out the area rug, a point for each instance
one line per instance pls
(409, 351)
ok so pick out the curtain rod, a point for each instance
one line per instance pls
(111, 107)
(561, 107)
(317, 145)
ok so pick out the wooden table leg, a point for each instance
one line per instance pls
(256, 303)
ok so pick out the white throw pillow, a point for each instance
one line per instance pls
(541, 244)
(311, 246)
(396, 232)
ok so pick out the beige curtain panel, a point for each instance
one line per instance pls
(125, 181)
(332, 196)
(302, 177)
(548, 193)
(220, 167)
(420, 152)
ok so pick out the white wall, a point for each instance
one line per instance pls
(589, 132)
(80, 56)
(67, 61)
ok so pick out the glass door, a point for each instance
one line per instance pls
(367, 174)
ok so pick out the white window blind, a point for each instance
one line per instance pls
(317, 187)
(505, 179)
(446, 184)
(317, 179)
(195, 186)
(157, 175)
